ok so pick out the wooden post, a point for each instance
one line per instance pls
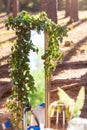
(47, 88)
(20, 123)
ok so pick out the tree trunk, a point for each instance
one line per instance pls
(67, 10)
(49, 6)
(59, 5)
(74, 11)
(0, 6)
(8, 6)
(15, 7)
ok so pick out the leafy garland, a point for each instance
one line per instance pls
(23, 82)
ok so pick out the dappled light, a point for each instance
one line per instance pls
(57, 69)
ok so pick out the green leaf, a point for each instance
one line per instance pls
(64, 97)
(80, 100)
(59, 109)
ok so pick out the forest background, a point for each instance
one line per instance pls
(33, 6)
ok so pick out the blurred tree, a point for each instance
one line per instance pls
(15, 7)
(74, 11)
(60, 5)
(31, 5)
(67, 8)
(50, 7)
(8, 3)
(34, 5)
(0, 6)
(83, 4)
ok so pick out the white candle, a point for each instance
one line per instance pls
(57, 119)
(63, 117)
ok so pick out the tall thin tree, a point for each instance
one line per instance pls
(67, 8)
(15, 7)
(8, 6)
(0, 6)
(74, 11)
(50, 7)
(60, 5)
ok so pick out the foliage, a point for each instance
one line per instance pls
(52, 107)
(72, 107)
(39, 78)
(23, 81)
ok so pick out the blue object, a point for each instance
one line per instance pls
(42, 104)
(33, 128)
(7, 124)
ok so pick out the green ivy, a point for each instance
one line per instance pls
(23, 81)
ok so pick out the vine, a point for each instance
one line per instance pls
(23, 82)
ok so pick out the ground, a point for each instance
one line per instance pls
(71, 75)
(74, 48)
